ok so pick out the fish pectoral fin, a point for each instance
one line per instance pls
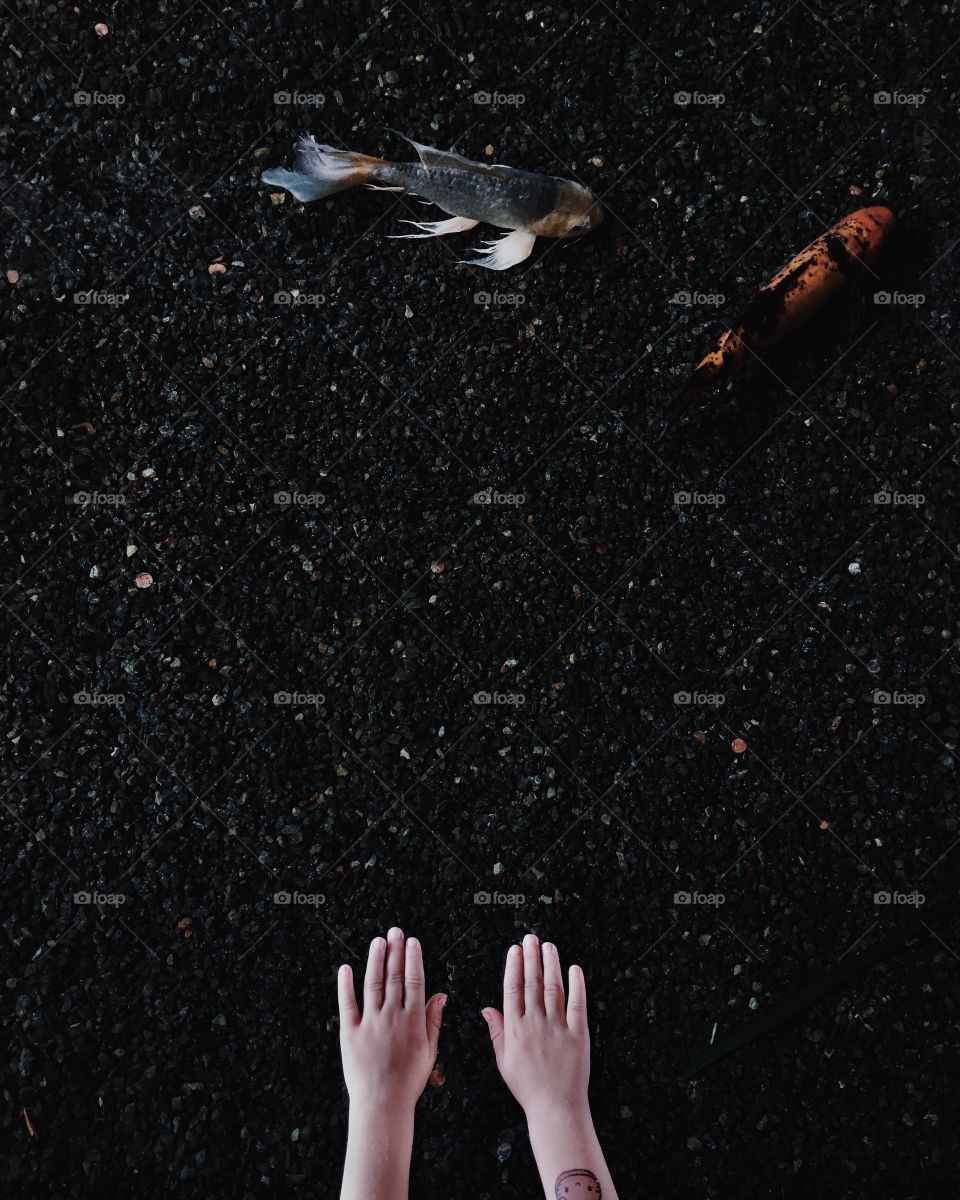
(374, 187)
(436, 228)
(506, 252)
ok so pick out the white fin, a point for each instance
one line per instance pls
(507, 252)
(436, 228)
(321, 170)
(376, 188)
(430, 156)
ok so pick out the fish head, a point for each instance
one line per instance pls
(576, 211)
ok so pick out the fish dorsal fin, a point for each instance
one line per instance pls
(449, 159)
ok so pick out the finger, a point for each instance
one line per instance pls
(347, 998)
(532, 975)
(513, 985)
(552, 981)
(494, 1020)
(373, 978)
(413, 981)
(577, 1002)
(393, 993)
(435, 1006)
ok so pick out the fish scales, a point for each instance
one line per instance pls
(527, 205)
(511, 200)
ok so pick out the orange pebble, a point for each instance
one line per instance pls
(738, 745)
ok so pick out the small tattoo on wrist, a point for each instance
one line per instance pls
(578, 1184)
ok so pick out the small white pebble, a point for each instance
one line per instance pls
(131, 550)
(854, 568)
(404, 753)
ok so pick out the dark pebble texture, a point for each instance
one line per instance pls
(336, 571)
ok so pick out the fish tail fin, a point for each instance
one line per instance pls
(695, 384)
(712, 368)
(323, 170)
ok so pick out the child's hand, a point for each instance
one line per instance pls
(389, 1052)
(542, 1047)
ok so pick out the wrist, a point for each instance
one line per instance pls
(559, 1111)
(381, 1108)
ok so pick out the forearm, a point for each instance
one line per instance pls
(379, 1145)
(563, 1139)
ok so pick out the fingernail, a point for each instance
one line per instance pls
(395, 932)
(531, 938)
(485, 1013)
(442, 1002)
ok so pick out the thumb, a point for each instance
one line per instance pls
(494, 1020)
(434, 1014)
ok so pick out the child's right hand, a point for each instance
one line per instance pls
(542, 1046)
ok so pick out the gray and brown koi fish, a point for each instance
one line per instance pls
(528, 205)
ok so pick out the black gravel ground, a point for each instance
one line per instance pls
(182, 1039)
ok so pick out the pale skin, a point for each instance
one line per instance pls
(388, 1054)
(542, 1046)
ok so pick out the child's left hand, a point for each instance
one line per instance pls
(389, 1052)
